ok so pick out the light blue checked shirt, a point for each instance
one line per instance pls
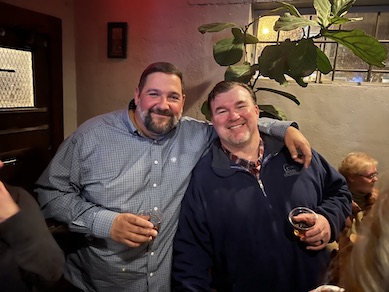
(104, 168)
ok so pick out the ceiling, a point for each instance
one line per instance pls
(265, 4)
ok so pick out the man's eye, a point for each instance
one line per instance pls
(175, 97)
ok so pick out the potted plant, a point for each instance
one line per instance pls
(296, 59)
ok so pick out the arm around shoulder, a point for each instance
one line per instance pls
(288, 131)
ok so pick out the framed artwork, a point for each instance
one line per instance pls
(117, 40)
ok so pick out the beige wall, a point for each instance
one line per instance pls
(336, 119)
(339, 118)
(157, 31)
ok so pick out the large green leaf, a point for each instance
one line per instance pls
(270, 111)
(240, 73)
(340, 7)
(216, 26)
(240, 37)
(362, 45)
(226, 52)
(294, 59)
(303, 58)
(323, 11)
(291, 22)
(340, 20)
(273, 61)
(291, 8)
(250, 39)
(299, 80)
(280, 92)
(323, 64)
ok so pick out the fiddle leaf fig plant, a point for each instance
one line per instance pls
(296, 59)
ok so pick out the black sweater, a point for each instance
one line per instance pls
(29, 256)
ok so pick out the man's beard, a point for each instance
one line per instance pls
(155, 127)
(238, 140)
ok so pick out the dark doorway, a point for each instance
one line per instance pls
(29, 133)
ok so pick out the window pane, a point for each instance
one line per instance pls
(383, 26)
(265, 29)
(326, 78)
(347, 60)
(367, 24)
(16, 79)
(380, 77)
(330, 50)
(350, 76)
(293, 35)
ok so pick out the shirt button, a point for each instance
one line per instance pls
(152, 253)
(154, 185)
(151, 274)
(155, 161)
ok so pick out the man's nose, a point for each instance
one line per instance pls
(234, 115)
(163, 102)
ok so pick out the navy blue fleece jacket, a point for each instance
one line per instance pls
(233, 233)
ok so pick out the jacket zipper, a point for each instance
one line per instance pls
(262, 187)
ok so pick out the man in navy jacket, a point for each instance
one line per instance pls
(233, 233)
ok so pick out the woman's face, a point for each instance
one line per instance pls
(363, 182)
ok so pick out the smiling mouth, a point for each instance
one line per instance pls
(161, 115)
(235, 126)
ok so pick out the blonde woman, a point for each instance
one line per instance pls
(366, 267)
(360, 171)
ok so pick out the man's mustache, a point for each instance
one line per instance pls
(165, 112)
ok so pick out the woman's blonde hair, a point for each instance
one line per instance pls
(367, 267)
(356, 163)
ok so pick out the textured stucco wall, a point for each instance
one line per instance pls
(339, 118)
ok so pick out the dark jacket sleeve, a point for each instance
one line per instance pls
(32, 245)
(336, 198)
(192, 251)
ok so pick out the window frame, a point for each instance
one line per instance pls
(259, 10)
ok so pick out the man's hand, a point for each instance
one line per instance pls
(294, 140)
(318, 237)
(132, 230)
(8, 207)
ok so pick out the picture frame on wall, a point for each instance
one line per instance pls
(117, 40)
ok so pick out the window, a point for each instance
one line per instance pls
(346, 66)
(16, 85)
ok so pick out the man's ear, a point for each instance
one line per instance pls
(136, 96)
(257, 110)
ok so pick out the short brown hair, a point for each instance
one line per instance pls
(163, 67)
(224, 86)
